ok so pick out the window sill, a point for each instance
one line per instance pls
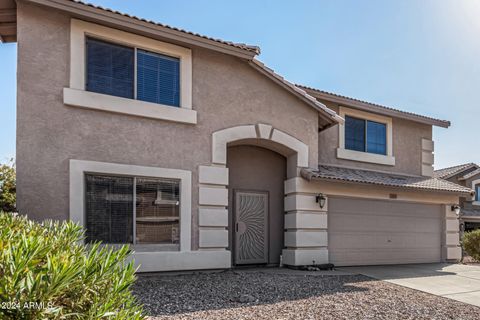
(365, 157)
(103, 102)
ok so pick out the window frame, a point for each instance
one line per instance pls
(476, 184)
(134, 244)
(364, 156)
(78, 169)
(77, 96)
(365, 134)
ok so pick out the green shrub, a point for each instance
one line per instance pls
(471, 244)
(7, 186)
(47, 273)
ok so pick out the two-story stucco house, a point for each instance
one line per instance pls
(467, 175)
(199, 156)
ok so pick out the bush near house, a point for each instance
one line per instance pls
(471, 244)
(47, 273)
(7, 186)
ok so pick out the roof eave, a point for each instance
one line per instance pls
(8, 21)
(124, 22)
(392, 186)
(308, 175)
(375, 108)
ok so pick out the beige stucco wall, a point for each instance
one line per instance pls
(407, 146)
(226, 92)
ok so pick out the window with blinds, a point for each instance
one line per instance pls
(132, 210)
(111, 69)
(158, 78)
(109, 208)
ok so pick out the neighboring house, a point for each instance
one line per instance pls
(199, 156)
(467, 175)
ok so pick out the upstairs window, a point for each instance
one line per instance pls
(110, 68)
(115, 69)
(158, 78)
(477, 192)
(365, 135)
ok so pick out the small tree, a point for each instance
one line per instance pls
(471, 244)
(7, 186)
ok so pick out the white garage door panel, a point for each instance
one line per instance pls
(368, 232)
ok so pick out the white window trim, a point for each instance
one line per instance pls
(78, 169)
(353, 155)
(474, 183)
(76, 95)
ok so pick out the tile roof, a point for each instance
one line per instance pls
(446, 173)
(435, 121)
(243, 46)
(470, 174)
(326, 172)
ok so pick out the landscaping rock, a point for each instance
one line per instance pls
(261, 295)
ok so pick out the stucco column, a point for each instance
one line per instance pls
(306, 238)
(212, 212)
(451, 250)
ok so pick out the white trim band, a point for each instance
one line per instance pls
(103, 102)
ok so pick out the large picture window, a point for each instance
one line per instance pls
(365, 135)
(114, 69)
(133, 210)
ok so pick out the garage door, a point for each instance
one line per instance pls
(371, 232)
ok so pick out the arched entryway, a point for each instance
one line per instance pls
(252, 147)
(256, 213)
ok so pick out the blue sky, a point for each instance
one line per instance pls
(418, 56)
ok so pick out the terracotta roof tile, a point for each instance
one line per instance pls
(326, 172)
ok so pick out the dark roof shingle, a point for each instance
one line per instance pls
(326, 172)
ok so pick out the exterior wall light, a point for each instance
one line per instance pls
(456, 209)
(320, 199)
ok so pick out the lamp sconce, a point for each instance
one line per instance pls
(321, 199)
(456, 208)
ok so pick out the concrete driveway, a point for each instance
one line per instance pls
(455, 281)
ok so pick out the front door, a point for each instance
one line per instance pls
(251, 227)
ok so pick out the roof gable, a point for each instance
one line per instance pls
(109, 17)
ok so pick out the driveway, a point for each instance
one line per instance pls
(455, 281)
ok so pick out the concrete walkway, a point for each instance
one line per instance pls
(455, 281)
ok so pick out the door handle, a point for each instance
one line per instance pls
(236, 227)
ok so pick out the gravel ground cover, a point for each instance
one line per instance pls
(262, 295)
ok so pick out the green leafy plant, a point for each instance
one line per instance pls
(471, 244)
(7, 186)
(47, 273)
